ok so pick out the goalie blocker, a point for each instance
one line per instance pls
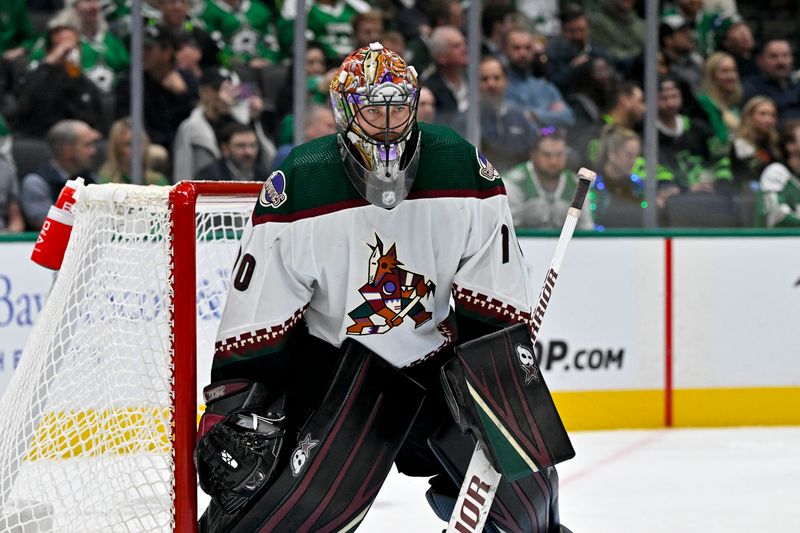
(329, 477)
(497, 394)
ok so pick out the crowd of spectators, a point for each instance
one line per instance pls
(560, 88)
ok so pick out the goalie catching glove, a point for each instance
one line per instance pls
(239, 439)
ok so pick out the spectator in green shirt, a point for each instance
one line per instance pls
(16, 31)
(245, 31)
(780, 184)
(103, 55)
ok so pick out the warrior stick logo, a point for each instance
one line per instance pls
(391, 293)
(274, 192)
(302, 453)
(528, 362)
(544, 298)
(468, 516)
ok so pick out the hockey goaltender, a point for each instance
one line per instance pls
(338, 350)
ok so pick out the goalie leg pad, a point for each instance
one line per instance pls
(528, 504)
(343, 453)
(496, 392)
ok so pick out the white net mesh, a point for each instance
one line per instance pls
(85, 424)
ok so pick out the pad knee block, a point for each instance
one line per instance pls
(343, 452)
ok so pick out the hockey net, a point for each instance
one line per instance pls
(97, 426)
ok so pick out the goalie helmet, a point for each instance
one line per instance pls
(374, 97)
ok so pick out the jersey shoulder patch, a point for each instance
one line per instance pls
(274, 192)
(486, 170)
(310, 182)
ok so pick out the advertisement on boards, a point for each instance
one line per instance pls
(23, 290)
(604, 325)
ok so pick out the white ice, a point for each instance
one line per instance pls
(731, 480)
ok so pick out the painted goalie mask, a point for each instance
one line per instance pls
(374, 97)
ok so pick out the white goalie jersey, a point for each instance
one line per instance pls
(314, 249)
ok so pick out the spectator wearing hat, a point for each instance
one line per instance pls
(678, 46)
(734, 36)
(239, 162)
(223, 101)
(700, 20)
(103, 55)
(169, 93)
(57, 88)
(774, 80)
(572, 48)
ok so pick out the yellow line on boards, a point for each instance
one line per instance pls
(767, 406)
(87, 433)
(720, 407)
(594, 410)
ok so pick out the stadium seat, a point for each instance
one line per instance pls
(29, 154)
(700, 210)
(272, 78)
(100, 155)
(746, 205)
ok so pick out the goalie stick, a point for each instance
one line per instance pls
(481, 479)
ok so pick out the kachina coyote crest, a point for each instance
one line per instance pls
(391, 293)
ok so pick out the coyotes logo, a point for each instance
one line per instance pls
(391, 294)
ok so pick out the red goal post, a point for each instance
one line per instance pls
(183, 199)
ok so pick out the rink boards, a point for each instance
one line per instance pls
(642, 331)
(686, 330)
